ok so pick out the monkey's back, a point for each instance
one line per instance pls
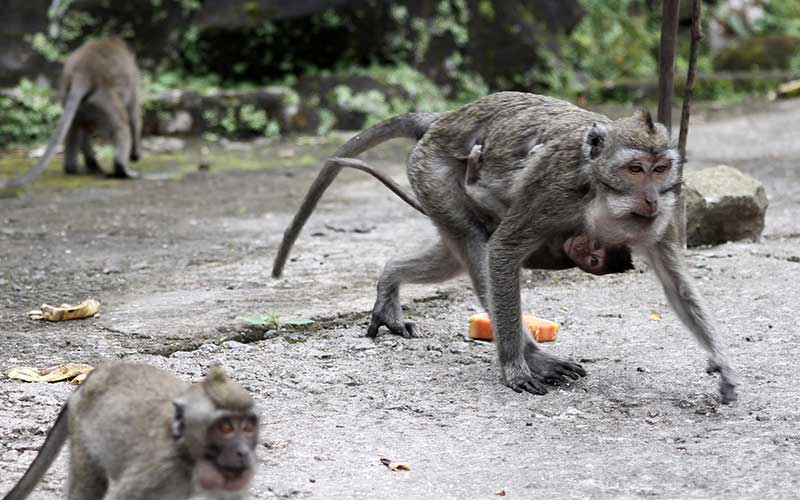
(106, 64)
(508, 125)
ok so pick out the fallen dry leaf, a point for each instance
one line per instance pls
(395, 466)
(74, 372)
(654, 317)
(85, 309)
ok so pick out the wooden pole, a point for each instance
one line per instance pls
(688, 90)
(688, 93)
(666, 61)
(666, 81)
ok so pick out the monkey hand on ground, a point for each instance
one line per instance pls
(139, 433)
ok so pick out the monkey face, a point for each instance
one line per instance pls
(635, 167)
(228, 464)
(589, 255)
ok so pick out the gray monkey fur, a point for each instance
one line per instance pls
(576, 188)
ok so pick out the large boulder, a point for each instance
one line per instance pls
(723, 204)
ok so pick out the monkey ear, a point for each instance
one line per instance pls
(595, 141)
(647, 120)
(177, 425)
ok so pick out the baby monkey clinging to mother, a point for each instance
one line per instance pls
(587, 254)
(556, 171)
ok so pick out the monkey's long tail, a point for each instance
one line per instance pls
(411, 125)
(77, 92)
(47, 454)
(384, 179)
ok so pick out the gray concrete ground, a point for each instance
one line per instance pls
(176, 262)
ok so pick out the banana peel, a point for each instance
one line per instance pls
(75, 373)
(85, 309)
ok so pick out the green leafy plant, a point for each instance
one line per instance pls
(29, 113)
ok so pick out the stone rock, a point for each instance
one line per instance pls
(723, 204)
(18, 59)
(244, 113)
(161, 144)
(179, 123)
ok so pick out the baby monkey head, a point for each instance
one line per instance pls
(591, 256)
(635, 167)
(216, 428)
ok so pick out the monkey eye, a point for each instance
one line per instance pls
(226, 426)
(660, 169)
(249, 425)
(595, 261)
(635, 168)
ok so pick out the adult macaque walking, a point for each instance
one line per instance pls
(139, 433)
(613, 181)
(100, 88)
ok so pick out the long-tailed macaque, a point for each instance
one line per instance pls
(100, 88)
(614, 181)
(139, 433)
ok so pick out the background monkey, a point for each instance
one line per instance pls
(100, 88)
(139, 433)
(612, 180)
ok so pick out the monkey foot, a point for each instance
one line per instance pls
(727, 381)
(551, 369)
(93, 167)
(122, 172)
(390, 315)
(519, 378)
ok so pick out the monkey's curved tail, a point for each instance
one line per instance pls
(384, 179)
(78, 90)
(47, 454)
(411, 125)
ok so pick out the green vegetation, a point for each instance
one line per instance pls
(609, 55)
(29, 113)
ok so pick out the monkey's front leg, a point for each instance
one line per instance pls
(524, 366)
(666, 259)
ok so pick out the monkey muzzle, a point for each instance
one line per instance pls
(211, 476)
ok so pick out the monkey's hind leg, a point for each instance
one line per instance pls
(92, 165)
(119, 123)
(135, 116)
(433, 265)
(87, 480)
(72, 144)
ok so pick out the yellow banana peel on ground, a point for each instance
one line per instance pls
(85, 309)
(75, 373)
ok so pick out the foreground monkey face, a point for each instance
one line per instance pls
(229, 461)
(635, 165)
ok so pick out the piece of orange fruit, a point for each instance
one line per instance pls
(480, 327)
